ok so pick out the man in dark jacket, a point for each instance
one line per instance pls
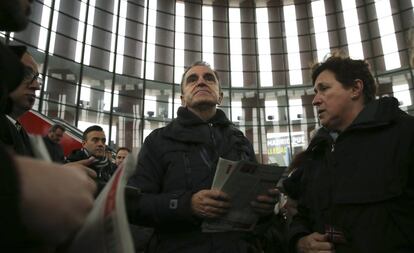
(175, 170)
(28, 187)
(357, 186)
(18, 103)
(93, 145)
(52, 142)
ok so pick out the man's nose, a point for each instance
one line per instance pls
(201, 81)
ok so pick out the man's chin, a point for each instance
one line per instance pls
(204, 105)
(99, 154)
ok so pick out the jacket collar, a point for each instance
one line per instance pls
(188, 118)
(379, 112)
(188, 127)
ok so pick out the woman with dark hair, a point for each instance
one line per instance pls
(356, 189)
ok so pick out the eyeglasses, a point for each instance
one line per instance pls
(30, 76)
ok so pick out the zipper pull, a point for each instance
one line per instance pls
(333, 147)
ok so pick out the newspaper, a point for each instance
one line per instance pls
(243, 181)
(106, 229)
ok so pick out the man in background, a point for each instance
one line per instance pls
(121, 154)
(52, 142)
(93, 145)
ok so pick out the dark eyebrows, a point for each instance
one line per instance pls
(97, 139)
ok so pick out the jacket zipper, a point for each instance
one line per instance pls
(210, 126)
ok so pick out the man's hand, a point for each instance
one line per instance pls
(265, 204)
(83, 164)
(210, 203)
(313, 243)
(55, 199)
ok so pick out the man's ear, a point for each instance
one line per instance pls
(357, 89)
(83, 143)
(220, 99)
(182, 100)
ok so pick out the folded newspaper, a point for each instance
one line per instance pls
(243, 181)
(106, 229)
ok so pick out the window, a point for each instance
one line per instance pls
(321, 29)
(208, 42)
(236, 58)
(388, 40)
(352, 29)
(179, 42)
(292, 45)
(265, 62)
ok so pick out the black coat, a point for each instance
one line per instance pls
(55, 150)
(177, 161)
(362, 183)
(10, 137)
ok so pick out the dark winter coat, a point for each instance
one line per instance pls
(17, 140)
(362, 184)
(177, 161)
(55, 150)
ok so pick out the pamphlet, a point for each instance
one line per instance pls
(243, 181)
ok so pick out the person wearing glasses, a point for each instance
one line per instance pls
(19, 102)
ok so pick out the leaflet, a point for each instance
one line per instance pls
(243, 181)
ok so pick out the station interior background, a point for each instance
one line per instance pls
(118, 63)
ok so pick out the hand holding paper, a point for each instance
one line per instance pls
(264, 204)
(210, 203)
(251, 189)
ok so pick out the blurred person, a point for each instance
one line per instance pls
(18, 103)
(93, 145)
(13, 17)
(30, 188)
(52, 142)
(176, 167)
(357, 187)
(121, 154)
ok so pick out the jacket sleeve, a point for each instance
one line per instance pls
(156, 208)
(12, 229)
(299, 227)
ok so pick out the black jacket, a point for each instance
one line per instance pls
(55, 150)
(362, 183)
(12, 138)
(177, 161)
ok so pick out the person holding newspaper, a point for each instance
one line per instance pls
(176, 166)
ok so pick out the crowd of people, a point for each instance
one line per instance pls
(351, 190)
